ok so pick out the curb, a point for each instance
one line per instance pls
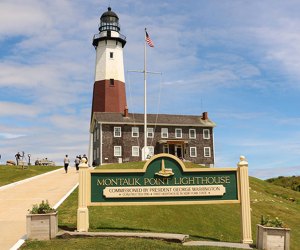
(65, 197)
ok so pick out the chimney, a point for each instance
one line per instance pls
(204, 116)
(126, 111)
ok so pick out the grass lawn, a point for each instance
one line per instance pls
(201, 222)
(139, 165)
(10, 174)
(111, 243)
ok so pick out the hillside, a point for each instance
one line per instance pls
(202, 222)
(292, 182)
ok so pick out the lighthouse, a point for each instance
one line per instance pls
(116, 135)
(109, 93)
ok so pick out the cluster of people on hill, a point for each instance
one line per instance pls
(77, 162)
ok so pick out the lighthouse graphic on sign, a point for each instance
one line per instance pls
(109, 87)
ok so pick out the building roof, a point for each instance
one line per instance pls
(153, 119)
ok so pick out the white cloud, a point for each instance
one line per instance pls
(20, 75)
(22, 18)
(18, 110)
(10, 136)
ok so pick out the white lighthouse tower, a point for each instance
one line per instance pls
(109, 93)
(109, 88)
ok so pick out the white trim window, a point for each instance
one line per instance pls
(178, 133)
(135, 132)
(193, 151)
(94, 154)
(98, 153)
(135, 151)
(164, 133)
(151, 150)
(117, 151)
(94, 135)
(150, 132)
(207, 152)
(192, 133)
(206, 134)
(166, 148)
(117, 132)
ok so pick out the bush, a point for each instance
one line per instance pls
(266, 221)
(42, 208)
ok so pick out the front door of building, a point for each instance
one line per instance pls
(178, 151)
(172, 149)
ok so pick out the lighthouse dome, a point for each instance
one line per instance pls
(109, 13)
(109, 21)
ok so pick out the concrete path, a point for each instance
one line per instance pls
(179, 238)
(218, 244)
(15, 200)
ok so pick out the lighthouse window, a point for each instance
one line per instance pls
(111, 54)
(111, 82)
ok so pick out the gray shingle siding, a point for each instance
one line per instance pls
(126, 141)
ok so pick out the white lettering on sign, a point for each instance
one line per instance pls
(167, 191)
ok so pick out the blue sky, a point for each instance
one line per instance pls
(237, 60)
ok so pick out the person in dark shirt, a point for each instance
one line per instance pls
(18, 155)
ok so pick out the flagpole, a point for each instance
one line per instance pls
(145, 99)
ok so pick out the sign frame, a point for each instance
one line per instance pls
(84, 192)
(144, 170)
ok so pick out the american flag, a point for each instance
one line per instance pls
(148, 40)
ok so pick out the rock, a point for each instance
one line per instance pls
(10, 163)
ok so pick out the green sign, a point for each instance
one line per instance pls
(164, 180)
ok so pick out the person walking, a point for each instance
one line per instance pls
(66, 163)
(77, 161)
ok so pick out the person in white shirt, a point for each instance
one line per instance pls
(66, 163)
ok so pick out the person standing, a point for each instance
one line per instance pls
(84, 156)
(17, 157)
(77, 161)
(66, 163)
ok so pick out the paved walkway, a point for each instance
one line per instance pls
(218, 244)
(15, 200)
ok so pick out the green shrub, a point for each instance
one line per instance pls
(42, 208)
(266, 221)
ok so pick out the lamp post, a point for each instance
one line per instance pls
(29, 155)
